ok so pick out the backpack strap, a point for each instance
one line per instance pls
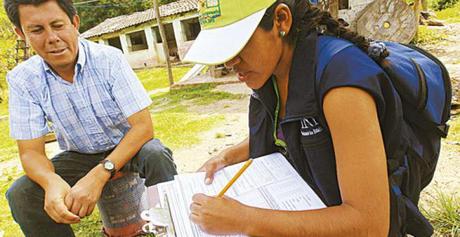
(328, 47)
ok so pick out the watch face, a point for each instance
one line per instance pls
(109, 165)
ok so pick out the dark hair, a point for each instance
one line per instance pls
(308, 18)
(12, 8)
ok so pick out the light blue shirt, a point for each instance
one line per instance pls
(88, 115)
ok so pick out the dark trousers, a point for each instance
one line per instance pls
(153, 162)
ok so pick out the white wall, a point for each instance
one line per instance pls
(350, 15)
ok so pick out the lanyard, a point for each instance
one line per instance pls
(278, 141)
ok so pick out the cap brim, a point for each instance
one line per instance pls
(219, 45)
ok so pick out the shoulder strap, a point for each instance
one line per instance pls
(328, 47)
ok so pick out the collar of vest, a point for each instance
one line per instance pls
(301, 100)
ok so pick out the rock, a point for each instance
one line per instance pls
(433, 22)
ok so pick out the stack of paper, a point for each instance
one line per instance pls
(269, 182)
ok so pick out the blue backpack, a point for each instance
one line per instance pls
(423, 84)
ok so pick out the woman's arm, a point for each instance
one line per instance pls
(362, 174)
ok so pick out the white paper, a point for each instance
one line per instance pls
(269, 182)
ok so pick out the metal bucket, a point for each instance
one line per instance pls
(120, 206)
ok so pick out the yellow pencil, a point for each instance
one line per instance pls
(237, 175)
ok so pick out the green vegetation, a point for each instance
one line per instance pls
(178, 127)
(157, 78)
(7, 49)
(443, 212)
(89, 226)
(7, 226)
(443, 4)
(94, 12)
(8, 148)
(428, 35)
(451, 15)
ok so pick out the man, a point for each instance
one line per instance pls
(96, 105)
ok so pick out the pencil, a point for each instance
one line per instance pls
(237, 175)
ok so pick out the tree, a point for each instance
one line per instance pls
(93, 13)
(165, 43)
(7, 51)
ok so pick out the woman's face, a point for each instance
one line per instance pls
(257, 61)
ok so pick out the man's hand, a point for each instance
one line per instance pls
(83, 196)
(54, 203)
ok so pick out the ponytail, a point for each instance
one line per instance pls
(308, 18)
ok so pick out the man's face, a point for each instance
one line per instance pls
(51, 34)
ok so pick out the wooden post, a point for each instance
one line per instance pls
(334, 8)
(425, 5)
(165, 42)
(417, 4)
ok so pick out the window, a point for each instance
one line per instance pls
(192, 28)
(138, 41)
(343, 4)
(169, 30)
(156, 31)
(115, 42)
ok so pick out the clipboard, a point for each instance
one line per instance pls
(159, 219)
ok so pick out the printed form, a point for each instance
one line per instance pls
(269, 182)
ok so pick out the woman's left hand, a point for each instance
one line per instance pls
(218, 215)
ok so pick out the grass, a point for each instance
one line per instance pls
(178, 127)
(426, 35)
(7, 226)
(450, 15)
(8, 148)
(3, 108)
(157, 78)
(174, 123)
(443, 212)
(441, 207)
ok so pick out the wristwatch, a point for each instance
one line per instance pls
(109, 166)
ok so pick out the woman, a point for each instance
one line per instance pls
(333, 136)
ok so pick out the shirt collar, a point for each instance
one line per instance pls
(81, 60)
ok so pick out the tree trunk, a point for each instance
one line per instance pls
(334, 8)
(417, 9)
(389, 20)
(165, 42)
(424, 5)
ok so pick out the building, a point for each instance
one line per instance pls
(138, 36)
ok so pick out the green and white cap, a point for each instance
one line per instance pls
(226, 27)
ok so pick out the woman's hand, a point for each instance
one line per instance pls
(215, 215)
(212, 166)
(232, 155)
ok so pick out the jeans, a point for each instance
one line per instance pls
(153, 162)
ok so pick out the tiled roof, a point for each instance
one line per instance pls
(120, 22)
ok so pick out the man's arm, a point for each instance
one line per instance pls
(83, 196)
(141, 131)
(40, 169)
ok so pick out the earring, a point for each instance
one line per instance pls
(282, 34)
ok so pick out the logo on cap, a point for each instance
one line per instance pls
(209, 11)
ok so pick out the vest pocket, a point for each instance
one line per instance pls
(320, 159)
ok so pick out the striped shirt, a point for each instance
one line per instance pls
(88, 115)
